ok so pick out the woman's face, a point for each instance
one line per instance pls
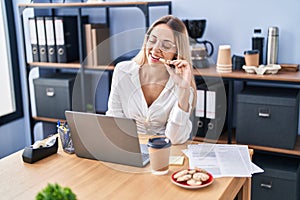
(160, 44)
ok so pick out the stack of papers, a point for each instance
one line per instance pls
(222, 160)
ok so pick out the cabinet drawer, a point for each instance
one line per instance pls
(264, 187)
(267, 117)
(280, 179)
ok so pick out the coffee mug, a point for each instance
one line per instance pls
(159, 150)
(252, 58)
(224, 56)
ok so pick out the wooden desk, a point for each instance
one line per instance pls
(90, 179)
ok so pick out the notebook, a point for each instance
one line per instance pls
(106, 138)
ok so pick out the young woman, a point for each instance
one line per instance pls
(157, 87)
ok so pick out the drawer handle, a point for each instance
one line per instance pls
(264, 114)
(265, 185)
(50, 92)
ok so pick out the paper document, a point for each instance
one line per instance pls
(222, 160)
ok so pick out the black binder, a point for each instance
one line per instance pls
(33, 39)
(199, 120)
(216, 104)
(66, 34)
(50, 38)
(41, 33)
(211, 105)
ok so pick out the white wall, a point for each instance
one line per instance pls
(230, 22)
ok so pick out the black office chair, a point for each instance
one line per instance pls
(127, 56)
(103, 87)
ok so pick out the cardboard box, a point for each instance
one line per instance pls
(53, 95)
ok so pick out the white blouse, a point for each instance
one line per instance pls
(162, 117)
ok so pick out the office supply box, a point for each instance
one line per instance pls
(267, 116)
(53, 95)
(280, 179)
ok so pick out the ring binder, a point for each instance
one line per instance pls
(33, 39)
(41, 33)
(66, 38)
(50, 38)
(210, 109)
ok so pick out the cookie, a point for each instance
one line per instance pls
(184, 177)
(192, 171)
(181, 173)
(194, 182)
(200, 176)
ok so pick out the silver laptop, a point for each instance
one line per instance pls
(106, 138)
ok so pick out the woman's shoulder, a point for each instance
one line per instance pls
(126, 66)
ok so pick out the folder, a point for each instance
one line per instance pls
(100, 44)
(199, 120)
(66, 34)
(210, 122)
(33, 39)
(216, 104)
(50, 39)
(41, 33)
(210, 108)
(88, 45)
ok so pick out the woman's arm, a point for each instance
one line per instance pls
(179, 125)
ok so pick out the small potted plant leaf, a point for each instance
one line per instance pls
(55, 192)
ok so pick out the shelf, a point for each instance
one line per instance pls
(95, 4)
(69, 66)
(55, 65)
(101, 67)
(224, 136)
(45, 119)
(281, 76)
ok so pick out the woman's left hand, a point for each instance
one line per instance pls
(182, 74)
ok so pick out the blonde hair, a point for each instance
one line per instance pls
(181, 41)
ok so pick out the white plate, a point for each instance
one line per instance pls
(187, 186)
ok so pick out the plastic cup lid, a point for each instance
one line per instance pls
(159, 142)
(255, 51)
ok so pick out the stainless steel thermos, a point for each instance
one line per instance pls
(272, 45)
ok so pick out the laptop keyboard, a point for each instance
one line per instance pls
(144, 148)
(145, 153)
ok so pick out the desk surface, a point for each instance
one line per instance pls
(90, 179)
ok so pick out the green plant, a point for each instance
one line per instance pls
(55, 192)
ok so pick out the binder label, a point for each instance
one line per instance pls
(211, 104)
(41, 31)
(50, 32)
(59, 32)
(32, 31)
(200, 103)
